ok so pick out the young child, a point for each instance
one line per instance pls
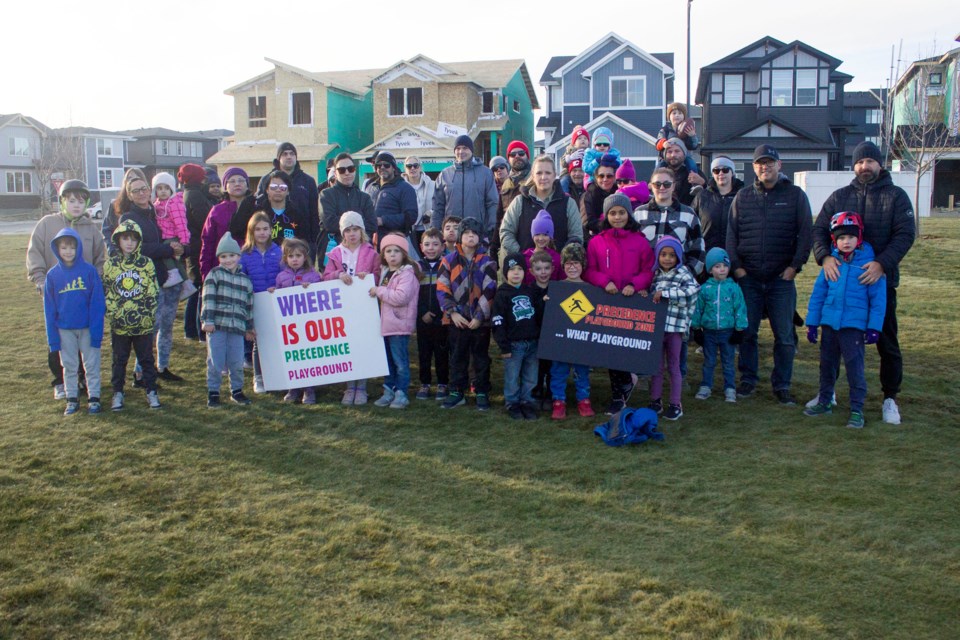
(399, 286)
(602, 145)
(516, 328)
(674, 283)
(260, 257)
(451, 230)
(466, 285)
(718, 323)
(172, 222)
(541, 272)
(130, 286)
(674, 127)
(227, 318)
(542, 231)
(74, 307)
(354, 256)
(296, 270)
(579, 144)
(619, 260)
(573, 259)
(431, 334)
(851, 314)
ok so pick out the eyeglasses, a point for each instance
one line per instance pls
(413, 166)
(765, 162)
(717, 171)
(343, 170)
(666, 184)
(137, 192)
(605, 176)
(278, 187)
(516, 154)
(384, 165)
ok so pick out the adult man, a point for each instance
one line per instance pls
(675, 157)
(303, 191)
(572, 183)
(466, 189)
(500, 169)
(712, 204)
(889, 227)
(394, 201)
(519, 158)
(768, 239)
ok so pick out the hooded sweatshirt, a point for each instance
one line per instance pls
(41, 258)
(73, 296)
(130, 285)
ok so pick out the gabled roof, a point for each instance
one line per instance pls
(214, 133)
(91, 132)
(266, 153)
(627, 46)
(356, 82)
(736, 59)
(160, 132)
(603, 118)
(925, 62)
(555, 63)
(19, 118)
(575, 60)
(796, 44)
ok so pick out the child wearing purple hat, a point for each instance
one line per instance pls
(542, 231)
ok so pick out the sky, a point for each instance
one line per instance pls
(118, 66)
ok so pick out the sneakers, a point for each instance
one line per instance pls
(856, 420)
(745, 390)
(656, 405)
(483, 402)
(349, 396)
(546, 403)
(616, 405)
(117, 403)
(891, 412)
(424, 392)
(819, 409)
(169, 376)
(213, 400)
(386, 399)
(730, 395)
(673, 412)
(559, 410)
(93, 407)
(633, 385)
(585, 409)
(239, 397)
(705, 392)
(815, 400)
(258, 385)
(400, 400)
(59, 393)
(441, 392)
(529, 411)
(454, 399)
(309, 396)
(153, 400)
(360, 398)
(72, 407)
(138, 382)
(514, 412)
(292, 396)
(785, 398)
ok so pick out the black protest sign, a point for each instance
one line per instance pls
(586, 325)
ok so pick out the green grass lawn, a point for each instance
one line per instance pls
(277, 521)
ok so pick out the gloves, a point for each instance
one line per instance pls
(812, 335)
(736, 337)
(871, 336)
(797, 320)
(698, 336)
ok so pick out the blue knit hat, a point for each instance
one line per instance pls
(716, 256)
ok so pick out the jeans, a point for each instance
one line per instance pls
(167, 303)
(74, 345)
(432, 347)
(778, 298)
(715, 340)
(224, 349)
(848, 344)
(672, 343)
(467, 345)
(558, 380)
(398, 361)
(520, 373)
(142, 345)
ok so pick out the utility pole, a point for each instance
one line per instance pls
(689, 102)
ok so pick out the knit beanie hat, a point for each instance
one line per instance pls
(211, 176)
(234, 171)
(163, 178)
(577, 132)
(464, 141)
(227, 245)
(676, 106)
(387, 157)
(610, 161)
(616, 200)
(469, 224)
(716, 256)
(723, 161)
(512, 260)
(350, 219)
(667, 241)
(497, 162)
(602, 134)
(573, 252)
(542, 224)
(626, 171)
(867, 149)
(285, 146)
(395, 240)
(518, 144)
(677, 142)
(192, 174)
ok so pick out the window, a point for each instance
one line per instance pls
(516, 106)
(179, 144)
(556, 98)
(104, 147)
(628, 63)
(936, 79)
(781, 88)
(405, 102)
(162, 148)
(874, 116)
(628, 92)
(105, 177)
(806, 87)
(19, 147)
(487, 105)
(19, 182)
(732, 88)
(301, 109)
(257, 111)
(874, 139)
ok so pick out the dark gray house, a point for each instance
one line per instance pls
(789, 95)
(867, 112)
(158, 149)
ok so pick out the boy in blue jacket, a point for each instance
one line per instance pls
(850, 313)
(74, 308)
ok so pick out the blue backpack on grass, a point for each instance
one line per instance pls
(629, 426)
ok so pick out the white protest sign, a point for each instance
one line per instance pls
(323, 334)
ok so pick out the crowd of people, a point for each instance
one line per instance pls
(471, 256)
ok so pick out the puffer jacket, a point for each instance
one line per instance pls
(720, 306)
(130, 287)
(888, 223)
(713, 209)
(395, 203)
(846, 303)
(398, 301)
(338, 199)
(769, 230)
(621, 257)
(262, 267)
(467, 190)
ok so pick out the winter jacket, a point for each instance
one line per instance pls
(130, 287)
(172, 218)
(621, 257)
(303, 196)
(151, 244)
(591, 209)
(427, 298)
(197, 205)
(217, 224)
(679, 288)
(290, 278)
(467, 190)
(846, 303)
(425, 191)
(398, 301)
(556, 274)
(720, 306)
(515, 233)
(591, 160)
(682, 189)
(888, 222)
(467, 286)
(572, 189)
(395, 203)
(510, 189)
(713, 209)
(667, 131)
(337, 200)
(262, 267)
(73, 296)
(368, 261)
(678, 221)
(227, 301)
(286, 223)
(41, 258)
(515, 315)
(769, 230)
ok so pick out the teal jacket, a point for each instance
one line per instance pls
(720, 306)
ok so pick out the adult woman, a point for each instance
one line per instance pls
(665, 216)
(425, 187)
(239, 202)
(286, 220)
(603, 185)
(345, 196)
(712, 204)
(541, 191)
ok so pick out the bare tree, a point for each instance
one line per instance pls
(58, 157)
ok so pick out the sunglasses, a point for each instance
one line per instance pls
(343, 170)
(622, 181)
(605, 176)
(384, 165)
(720, 170)
(515, 154)
(602, 144)
(413, 166)
(278, 187)
(662, 185)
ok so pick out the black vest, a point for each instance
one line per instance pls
(557, 208)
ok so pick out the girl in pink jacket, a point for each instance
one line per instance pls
(172, 222)
(400, 285)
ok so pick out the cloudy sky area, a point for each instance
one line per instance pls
(122, 65)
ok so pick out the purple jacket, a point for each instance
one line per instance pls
(398, 298)
(289, 278)
(621, 257)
